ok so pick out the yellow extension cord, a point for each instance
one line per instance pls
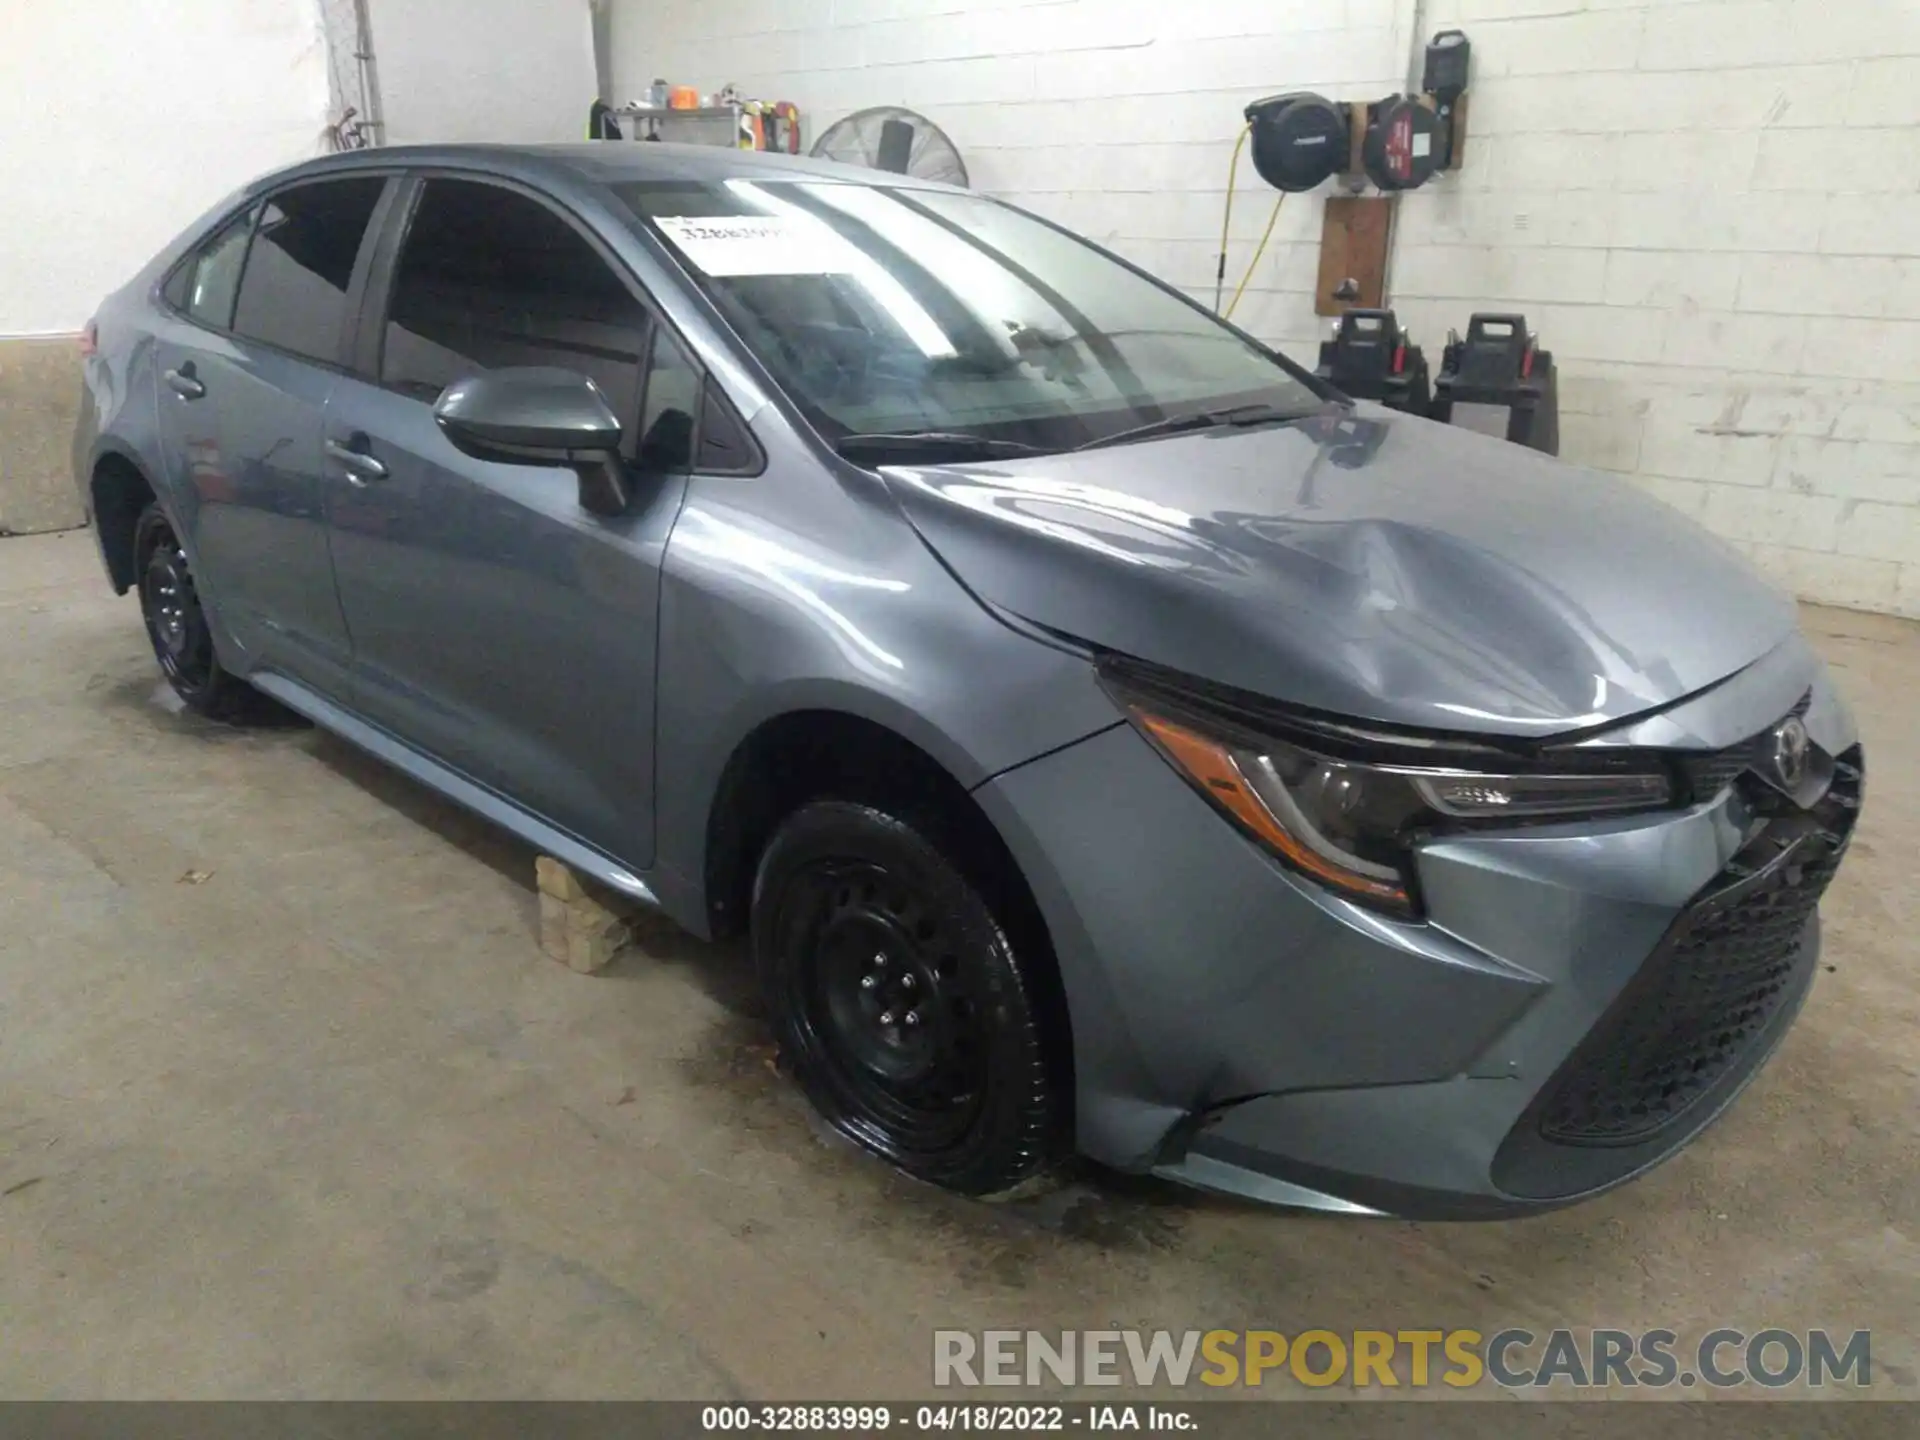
(1226, 224)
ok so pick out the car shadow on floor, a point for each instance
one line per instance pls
(735, 1067)
(459, 827)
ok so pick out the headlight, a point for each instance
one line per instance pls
(1349, 819)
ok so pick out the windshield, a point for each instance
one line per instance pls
(897, 311)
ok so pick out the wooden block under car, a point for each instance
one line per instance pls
(557, 879)
(578, 927)
(553, 927)
(591, 951)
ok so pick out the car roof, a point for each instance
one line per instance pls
(606, 162)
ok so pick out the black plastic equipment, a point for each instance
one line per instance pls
(1403, 144)
(1499, 365)
(1448, 56)
(1370, 358)
(1298, 140)
(600, 122)
(896, 146)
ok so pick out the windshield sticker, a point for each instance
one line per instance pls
(728, 245)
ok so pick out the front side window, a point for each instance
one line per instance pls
(490, 278)
(882, 310)
(293, 293)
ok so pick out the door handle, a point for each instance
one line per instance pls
(360, 466)
(182, 383)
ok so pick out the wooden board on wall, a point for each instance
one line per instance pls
(1353, 246)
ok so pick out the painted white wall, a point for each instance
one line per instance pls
(123, 122)
(1710, 209)
(508, 70)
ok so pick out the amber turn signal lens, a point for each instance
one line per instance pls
(1211, 766)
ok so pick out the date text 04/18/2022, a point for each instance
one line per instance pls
(942, 1418)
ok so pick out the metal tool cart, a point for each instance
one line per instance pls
(706, 125)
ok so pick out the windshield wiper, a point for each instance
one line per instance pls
(931, 445)
(1257, 413)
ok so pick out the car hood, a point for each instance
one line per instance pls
(1362, 563)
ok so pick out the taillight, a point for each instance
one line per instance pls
(90, 340)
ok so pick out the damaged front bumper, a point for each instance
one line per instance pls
(1577, 1002)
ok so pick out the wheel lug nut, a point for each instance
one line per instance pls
(886, 1017)
(880, 959)
(906, 982)
(913, 1017)
(866, 982)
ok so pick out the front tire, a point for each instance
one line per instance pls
(907, 1016)
(177, 621)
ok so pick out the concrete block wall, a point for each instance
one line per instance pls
(39, 407)
(1709, 208)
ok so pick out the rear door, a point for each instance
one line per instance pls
(497, 624)
(254, 344)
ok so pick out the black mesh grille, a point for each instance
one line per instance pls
(1710, 773)
(1707, 993)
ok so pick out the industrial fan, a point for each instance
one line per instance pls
(887, 137)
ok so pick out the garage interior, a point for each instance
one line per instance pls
(292, 1103)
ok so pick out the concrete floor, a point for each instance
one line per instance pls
(327, 1124)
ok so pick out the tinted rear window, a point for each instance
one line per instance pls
(294, 291)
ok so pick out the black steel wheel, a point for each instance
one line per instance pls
(177, 622)
(900, 1003)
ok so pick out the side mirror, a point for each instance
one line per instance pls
(536, 415)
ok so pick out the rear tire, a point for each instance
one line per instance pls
(900, 1003)
(177, 623)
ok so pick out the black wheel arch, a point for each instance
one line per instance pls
(120, 492)
(805, 755)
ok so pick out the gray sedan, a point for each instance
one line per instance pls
(1110, 737)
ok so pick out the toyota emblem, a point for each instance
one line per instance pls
(1790, 745)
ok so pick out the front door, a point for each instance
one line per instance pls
(498, 625)
(247, 362)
